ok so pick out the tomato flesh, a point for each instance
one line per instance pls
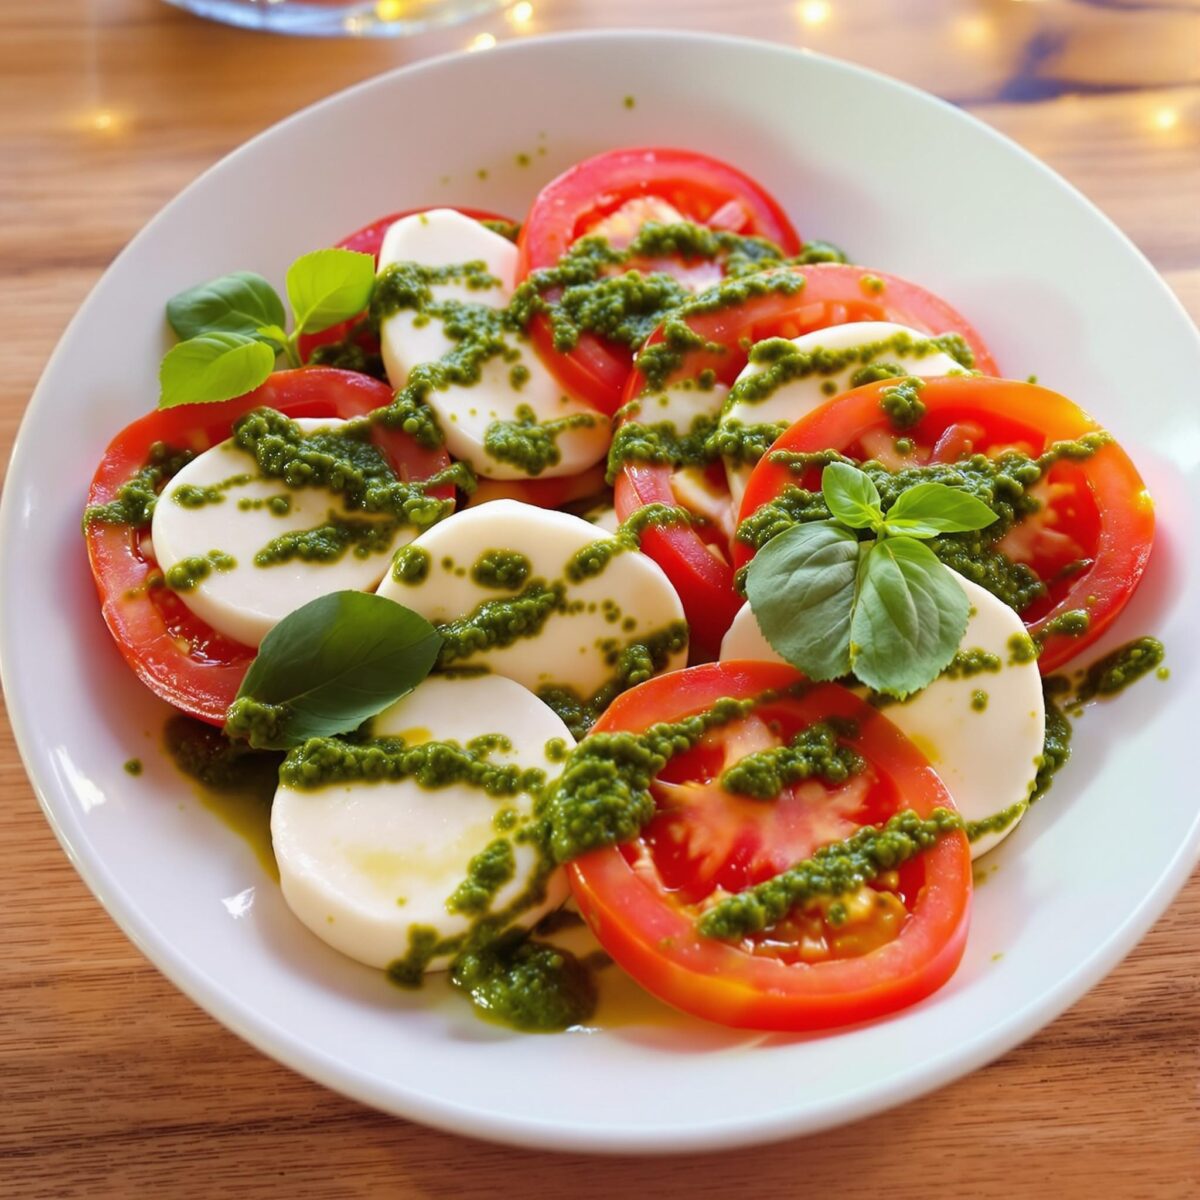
(1089, 546)
(175, 654)
(642, 899)
(703, 190)
(699, 563)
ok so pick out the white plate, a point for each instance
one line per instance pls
(909, 185)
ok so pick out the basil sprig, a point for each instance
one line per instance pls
(233, 327)
(882, 607)
(328, 666)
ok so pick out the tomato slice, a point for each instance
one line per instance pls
(175, 654)
(1089, 544)
(704, 190)
(697, 561)
(642, 899)
(369, 240)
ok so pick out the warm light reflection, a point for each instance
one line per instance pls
(973, 31)
(355, 25)
(389, 10)
(102, 120)
(814, 12)
(521, 14)
(482, 41)
(1165, 118)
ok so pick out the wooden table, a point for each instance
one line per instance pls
(113, 1083)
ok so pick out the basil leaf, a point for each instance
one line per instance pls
(909, 620)
(852, 496)
(213, 366)
(328, 286)
(928, 509)
(237, 303)
(330, 665)
(273, 333)
(801, 588)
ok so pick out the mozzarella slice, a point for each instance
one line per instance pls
(237, 598)
(442, 237)
(362, 864)
(879, 341)
(579, 641)
(982, 733)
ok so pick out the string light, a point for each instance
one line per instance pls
(482, 41)
(973, 31)
(814, 12)
(521, 14)
(1165, 119)
(389, 10)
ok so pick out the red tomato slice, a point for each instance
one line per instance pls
(1097, 511)
(369, 240)
(175, 654)
(698, 561)
(705, 190)
(642, 899)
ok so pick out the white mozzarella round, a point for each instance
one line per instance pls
(361, 864)
(244, 601)
(987, 757)
(794, 399)
(442, 237)
(576, 646)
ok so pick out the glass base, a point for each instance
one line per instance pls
(338, 18)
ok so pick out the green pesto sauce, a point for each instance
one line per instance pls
(979, 700)
(205, 754)
(133, 766)
(350, 353)
(503, 570)
(188, 573)
(833, 870)
(593, 558)
(813, 753)
(343, 461)
(1114, 672)
(528, 443)
(1004, 483)
(603, 796)
(903, 404)
(278, 505)
(632, 664)
(329, 541)
(490, 869)
(134, 502)
(1074, 623)
(193, 495)
(322, 762)
(502, 621)
(1056, 747)
(657, 363)
(411, 565)
(784, 361)
(968, 663)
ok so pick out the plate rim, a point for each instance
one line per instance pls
(397, 1097)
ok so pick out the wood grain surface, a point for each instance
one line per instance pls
(111, 1082)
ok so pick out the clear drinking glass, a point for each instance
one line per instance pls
(329, 18)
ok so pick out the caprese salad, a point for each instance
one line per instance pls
(641, 566)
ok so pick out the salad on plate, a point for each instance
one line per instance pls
(641, 583)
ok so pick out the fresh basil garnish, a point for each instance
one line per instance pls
(801, 586)
(213, 366)
(909, 617)
(328, 286)
(239, 303)
(885, 607)
(222, 318)
(328, 666)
